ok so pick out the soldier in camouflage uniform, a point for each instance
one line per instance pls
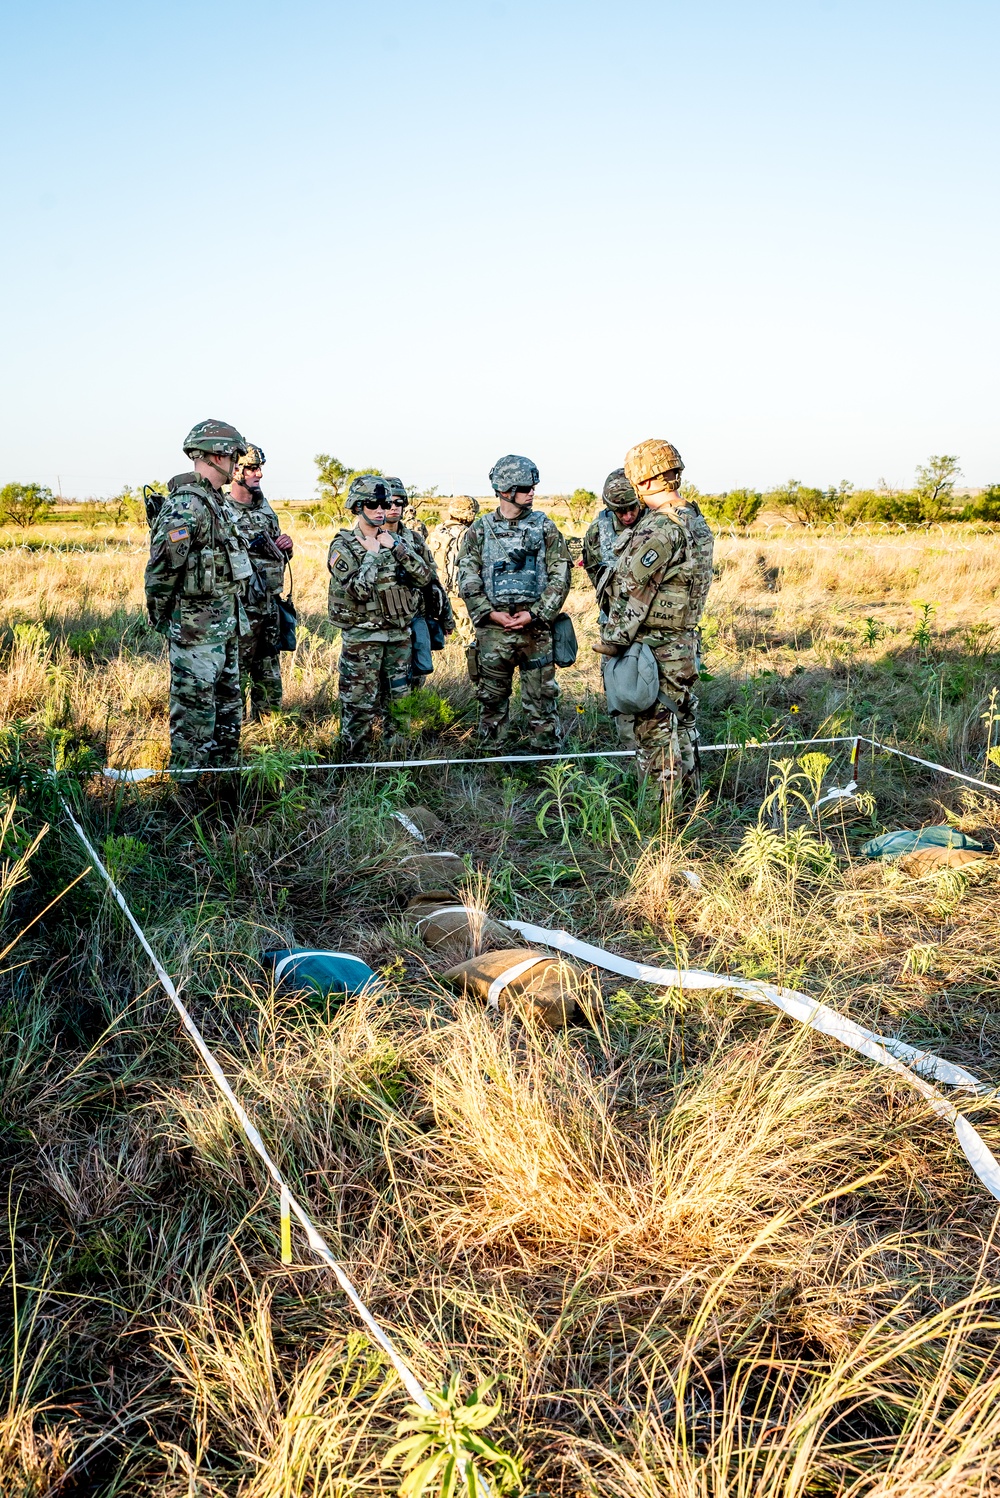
(445, 542)
(407, 509)
(196, 574)
(656, 594)
(270, 550)
(375, 581)
(513, 575)
(622, 508)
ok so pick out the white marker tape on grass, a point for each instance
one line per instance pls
(929, 764)
(499, 983)
(886, 1051)
(314, 1238)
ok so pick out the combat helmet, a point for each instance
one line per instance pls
(367, 486)
(649, 459)
(462, 507)
(618, 494)
(252, 458)
(513, 472)
(397, 490)
(213, 437)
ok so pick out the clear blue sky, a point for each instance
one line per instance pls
(422, 235)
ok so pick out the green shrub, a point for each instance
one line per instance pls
(422, 711)
(738, 507)
(985, 506)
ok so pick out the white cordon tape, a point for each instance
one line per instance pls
(314, 1238)
(817, 1016)
(133, 776)
(498, 985)
(929, 764)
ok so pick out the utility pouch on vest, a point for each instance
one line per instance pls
(396, 604)
(421, 658)
(515, 580)
(564, 645)
(472, 662)
(199, 573)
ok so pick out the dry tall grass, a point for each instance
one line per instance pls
(706, 1254)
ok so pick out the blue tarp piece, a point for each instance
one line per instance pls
(895, 844)
(328, 975)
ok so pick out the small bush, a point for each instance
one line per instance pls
(737, 507)
(24, 504)
(422, 711)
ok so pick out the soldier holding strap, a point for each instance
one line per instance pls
(513, 575)
(621, 510)
(654, 595)
(376, 577)
(269, 550)
(197, 571)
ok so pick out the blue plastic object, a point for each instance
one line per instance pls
(324, 975)
(895, 844)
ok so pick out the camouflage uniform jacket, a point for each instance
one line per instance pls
(598, 544)
(473, 584)
(445, 542)
(373, 593)
(258, 524)
(661, 577)
(198, 566)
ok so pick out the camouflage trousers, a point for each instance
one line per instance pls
(374, 673)
(206, 705)
(501, 651)
(666, 735)
(260, 671)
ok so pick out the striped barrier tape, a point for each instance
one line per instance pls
(887, 1051)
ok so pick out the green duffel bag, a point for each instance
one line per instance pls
(631, 680)
(321, 975)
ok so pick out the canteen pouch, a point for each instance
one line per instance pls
(472, 663)
(564, 645)
(421, 660)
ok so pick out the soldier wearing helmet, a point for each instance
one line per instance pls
(196, 576)
(445, 542)
(377, 571)
(270, 550)
(513, 575)
(407, 509)
(622, 509)
(655, 595)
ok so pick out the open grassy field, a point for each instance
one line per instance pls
(703, 1251)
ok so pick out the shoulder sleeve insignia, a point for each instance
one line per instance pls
(649, 557)
(180, 534)
(333, 557)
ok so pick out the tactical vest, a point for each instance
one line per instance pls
(223, 566)
(606, 537)
(396, 599)
(445, 542)
(514, 570)
(679, 603)
(257, 525)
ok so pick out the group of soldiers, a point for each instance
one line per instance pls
(497, 580)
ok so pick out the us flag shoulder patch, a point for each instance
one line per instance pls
(180, 534)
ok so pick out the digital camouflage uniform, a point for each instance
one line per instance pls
(510, 565)
(196, 573)
(260, 661)
(374, 597)
(656, 595)
(445, 542)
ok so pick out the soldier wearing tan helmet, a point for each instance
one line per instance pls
(655, 595)
(445, 542)
(622, 510)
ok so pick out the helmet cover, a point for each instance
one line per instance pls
(252, 458)
(649, 459)
(214, 437)
(397, 489)
(513, 472)
(462, 507)
(618, 493)
(366, 487)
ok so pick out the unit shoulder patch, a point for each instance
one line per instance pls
(649, 557)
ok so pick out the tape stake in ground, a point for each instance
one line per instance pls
(286, 1226)
(799, 1006)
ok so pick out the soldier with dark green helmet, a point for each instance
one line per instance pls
(513, 575)
(270, 551)
(376, 578)
(197, 571)
(622, 509)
